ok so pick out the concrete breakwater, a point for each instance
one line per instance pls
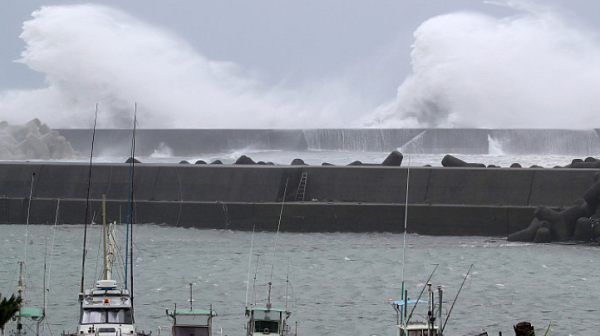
(186, 142)
(442, 201)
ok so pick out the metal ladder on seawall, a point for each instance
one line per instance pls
(301, 188)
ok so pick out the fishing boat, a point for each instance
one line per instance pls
(28, 317)
(267, 320)
(107, 308)
(430, 325)
(405, 326)
(191, 322)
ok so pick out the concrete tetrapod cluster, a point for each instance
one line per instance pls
(32, 141)
(452, 161)
(393, 159)
(578, 222)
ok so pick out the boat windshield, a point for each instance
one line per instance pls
(191, 331)
(267, 315)
(113, 315)
(266, 326)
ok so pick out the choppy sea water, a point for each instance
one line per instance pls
(340, 283)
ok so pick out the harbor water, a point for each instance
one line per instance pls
(338, 283)
(334, 283)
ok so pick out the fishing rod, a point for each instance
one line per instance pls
(255, 275)
(421, 294)
(87, 208)
(278, 226)
(456, 298)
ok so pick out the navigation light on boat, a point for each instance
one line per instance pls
(106, 284)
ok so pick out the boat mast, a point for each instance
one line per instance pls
(440, 291)
(112, 247)
(105, 271)
(130, 213)
(87, 209)
(192, 297)
(21, 263)
(430, 316)
(269, 296)
(47, 274)
(249, 264)
(132, 199)
(20, 291)
(404, 294)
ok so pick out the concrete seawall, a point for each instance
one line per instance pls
(190, 142)
(442, 201)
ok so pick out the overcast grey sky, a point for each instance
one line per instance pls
(366, 44)
(282, 39)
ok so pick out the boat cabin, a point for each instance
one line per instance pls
(417, 329)
(106, 310)
(191, 322)
(267, 321)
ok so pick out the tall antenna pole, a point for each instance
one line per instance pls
(87, 209)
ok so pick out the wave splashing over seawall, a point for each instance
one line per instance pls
(95, 54)
(534, 70)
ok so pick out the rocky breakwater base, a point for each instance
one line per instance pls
(577, 222)
(33, 141)
(458, 199)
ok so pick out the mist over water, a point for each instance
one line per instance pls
(531, 70)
